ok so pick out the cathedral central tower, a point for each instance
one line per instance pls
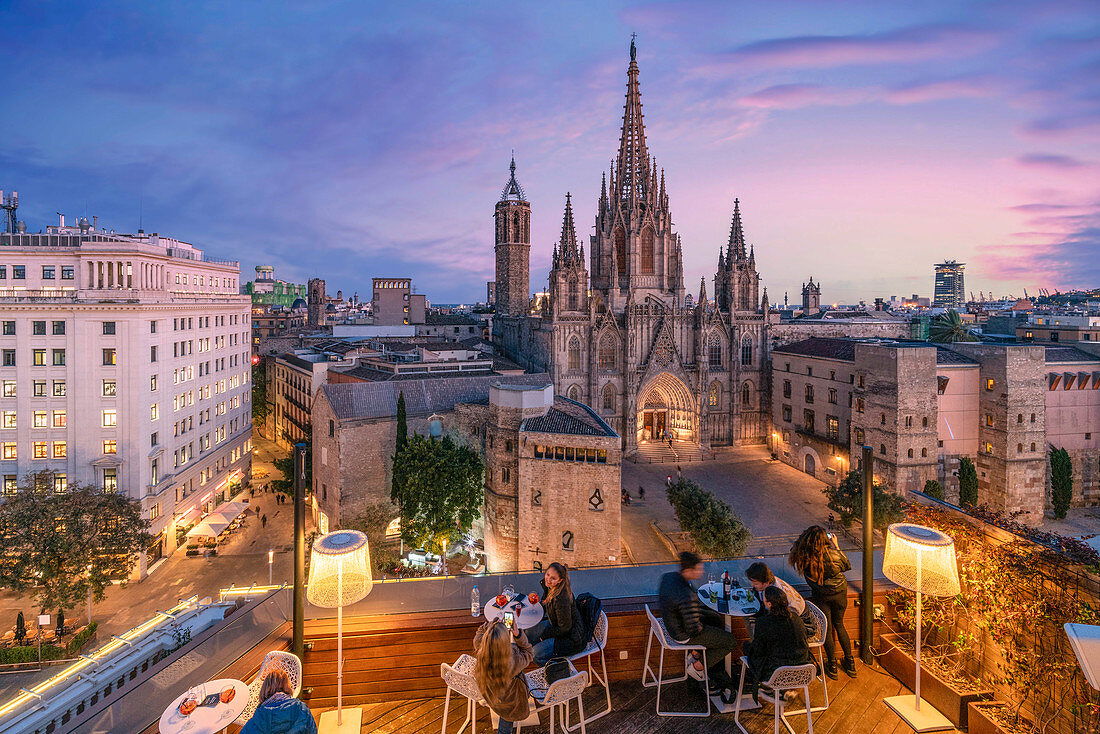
(635, 253)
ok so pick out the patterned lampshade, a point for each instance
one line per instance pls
(339, 569)
(921, 559)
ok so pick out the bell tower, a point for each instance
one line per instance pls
(513, 249)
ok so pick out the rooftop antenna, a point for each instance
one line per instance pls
(9, 204)
(141, 214)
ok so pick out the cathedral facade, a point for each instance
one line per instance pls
(617, 330)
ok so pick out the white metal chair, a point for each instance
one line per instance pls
(785, 678)
(596, 645)
(557, 697)
(817, 643)
(460, 679)
(658, 630)
(274, 660)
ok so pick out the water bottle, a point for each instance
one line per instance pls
(726, 585)
(475, 602)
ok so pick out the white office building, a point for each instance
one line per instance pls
(124, 362)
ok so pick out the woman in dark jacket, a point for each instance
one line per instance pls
(817, 556)
(779, 638)
(280, 712)
(561, 633)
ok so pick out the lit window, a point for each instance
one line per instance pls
(110, 357)
(38, 450)
(60, 449)
(38, 357)
(990, 383)
(11, 484)
(10, 451)
(60, 419)
(41, 419)
(60, 482)
(9, 388)
(110, 480)
(110, 388)
(9, 419)
(39, 388)
(58, 357)
(110, 418)
(110, 447)
(59, 388)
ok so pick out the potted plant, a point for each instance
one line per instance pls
(996, 717)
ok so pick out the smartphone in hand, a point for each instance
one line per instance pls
(509, 620)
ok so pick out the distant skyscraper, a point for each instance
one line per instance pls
(949, 285)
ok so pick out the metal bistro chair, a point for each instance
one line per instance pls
(596, 645)
(658, 630)
(460, 679)
(817, 643)
(558, 696)
(276, 659)
(785, 678)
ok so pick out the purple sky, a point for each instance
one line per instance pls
(866, 140)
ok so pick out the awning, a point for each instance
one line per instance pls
(230, 509)
(208, 528)
(190, 515)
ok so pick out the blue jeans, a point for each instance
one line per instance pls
(504, 727)
(543, 648)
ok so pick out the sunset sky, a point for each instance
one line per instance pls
(350, 140)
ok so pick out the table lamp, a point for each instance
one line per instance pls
(920, 559)
(1085, 641)
(339, 574)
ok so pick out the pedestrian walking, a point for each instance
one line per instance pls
(641, 493)
(679, 473)
(263, 521)
(668, 481)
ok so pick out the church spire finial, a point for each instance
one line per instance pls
(632, 165)
(512, 189)
(633, 48)
(735, 250)
(569, 251)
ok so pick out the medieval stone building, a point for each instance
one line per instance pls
(617, 331)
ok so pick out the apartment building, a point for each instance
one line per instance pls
(124, 362)
(922, 407)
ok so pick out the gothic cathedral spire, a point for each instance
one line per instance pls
(513, 248)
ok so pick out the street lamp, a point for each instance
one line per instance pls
(270, 560)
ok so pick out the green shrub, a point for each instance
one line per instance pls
(968, 483)
(846, 501)
(1061, 481)
(715, 528)
(29, 653)
(933, 489)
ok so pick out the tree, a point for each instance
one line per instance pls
(948, 328)
(402, 423)
(440, 492)
(847, 501)
(715, 528)
(968, 483)
(60, 545)
(286, 466)
(933, 489)
(374, 520)
(1061, 481)
(260, 408)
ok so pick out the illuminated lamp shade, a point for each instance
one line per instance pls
(339, 574)
(920, 559)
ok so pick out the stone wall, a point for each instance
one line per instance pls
(789, 332)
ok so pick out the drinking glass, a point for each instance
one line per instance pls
(509, 591)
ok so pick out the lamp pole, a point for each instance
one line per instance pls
(867, 610)
(299, 548)
(270, 560)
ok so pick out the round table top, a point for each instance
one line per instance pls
(742, 602)
(205, 719)
(527, 617)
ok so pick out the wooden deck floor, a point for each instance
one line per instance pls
(856, 708)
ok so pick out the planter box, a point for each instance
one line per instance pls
(980, 722)
(936, 691)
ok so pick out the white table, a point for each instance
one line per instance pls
(205, 719)
(742, 603)
(527, 617)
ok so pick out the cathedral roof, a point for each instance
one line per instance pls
(568, 417)
(512, 190)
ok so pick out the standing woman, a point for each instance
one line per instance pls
(502, 655)
(561, 633)
(817, 557)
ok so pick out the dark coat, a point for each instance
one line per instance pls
(833, 580)
(778, 640)
(680, 607)
(281, 714)
(566, 626)
(512, 703)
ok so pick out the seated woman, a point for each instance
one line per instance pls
(561, 633)
(502, 654)
(279, 712)
(761, 577)
(779, 638)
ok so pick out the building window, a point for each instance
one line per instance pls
(68, 272)
(567, 541)
(10, 450)
(746, 353)
(809, 394)
(40, 419)
(58, 328)
(574, 352)
(110, 357)
(60, 419)
(909, 453)
(787, 413)
(882, 419)
(19, 272)
(859, 436)
(110, 418)
(49, 272)
(108, 327)
(154, 439)
(786, 388)
(713, 395)
(746, 395)
(1032, 417)
(38, 357)
(1019, 448)
(11, 484)
(714, 352)
(110, 480)
(505, 475)
(989, 419)
(508, 446)
(860, 381)
(60, 482)
(9, 388)
(9, 328)
(332, 429)
(990, 383)
(609, 398)
(808, 420)
(832, 427)
(152, 354)
(9, 419)
(60, 449)
(924, 453)
(110, 446)
(1033, 446)
(58, 357)
(9, 357)
(110, 388)
(608, 357)
(908, 421)
(924, 422)
(832, 396)
(38, 328)
(882, 449)
(39, 388)
(59, 388)
(153, 383)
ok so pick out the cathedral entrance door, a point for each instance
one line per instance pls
(666, 409)
(659, 423)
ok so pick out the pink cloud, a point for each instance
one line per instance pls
(1050, 161)
(794, 96)
(945, 89)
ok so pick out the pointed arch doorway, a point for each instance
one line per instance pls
(666, 409)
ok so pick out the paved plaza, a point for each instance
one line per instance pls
(775, 501)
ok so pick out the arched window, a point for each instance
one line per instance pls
(574, 294)
(516, 230)
(574, 351)
(882, 449)
(714, 396)
(746, 352)
(714, 351)
(574, 393)
(910, 453)
(608, 402)
(620, 249)
(647, 250)
(607, 355)
(746, 395)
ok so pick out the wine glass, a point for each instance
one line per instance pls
(509, 591)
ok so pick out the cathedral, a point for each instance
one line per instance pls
(618, 331)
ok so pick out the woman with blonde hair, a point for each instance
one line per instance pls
(561, 633)
(279, 712)
(502, 654)
(817, 556)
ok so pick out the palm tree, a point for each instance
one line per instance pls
(948, 328)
